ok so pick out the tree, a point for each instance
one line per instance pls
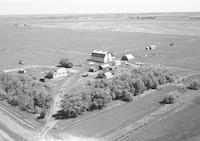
(72, 106)
(99, 99)
(66, 63)
(139, 87)
(24, 92)
(194, 85)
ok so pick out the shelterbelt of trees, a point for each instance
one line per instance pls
(25, 93)
(96, 95)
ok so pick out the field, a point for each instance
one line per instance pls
(46, 39)
(35, 43)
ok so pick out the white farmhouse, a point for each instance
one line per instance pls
(101, 56)
(60, 72)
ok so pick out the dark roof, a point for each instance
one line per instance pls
(98, 55)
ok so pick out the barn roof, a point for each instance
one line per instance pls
(129, 56)
(99, 53)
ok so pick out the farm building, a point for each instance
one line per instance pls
(128, 57)
(92, 69)
(107, 75)
(60, 72)
(21, 62)
(104, 67)
(101, 56)
(150, 47)
(23, 71)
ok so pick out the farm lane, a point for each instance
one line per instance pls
(51, 122)
(26, 67)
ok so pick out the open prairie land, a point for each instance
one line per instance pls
(46, 39)
(43, 40)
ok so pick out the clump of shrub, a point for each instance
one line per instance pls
(66, 63)
(168, 99)
(194, 85)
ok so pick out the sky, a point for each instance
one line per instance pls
(18, 7)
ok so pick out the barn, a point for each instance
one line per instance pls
(101, 56)
(128, 57)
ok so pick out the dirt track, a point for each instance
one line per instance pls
(51, 122)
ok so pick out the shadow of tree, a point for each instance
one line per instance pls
(63, 115)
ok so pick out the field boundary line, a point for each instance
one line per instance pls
(18, 117)
(126, 128)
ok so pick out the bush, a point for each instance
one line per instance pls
(66, 63)
(168, 99)
(194, 85)
(127, 96)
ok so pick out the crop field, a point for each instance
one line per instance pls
(37, 44)
(47, 39)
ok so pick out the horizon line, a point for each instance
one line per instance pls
(106, 13)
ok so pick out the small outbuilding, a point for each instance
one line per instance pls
(107, 75)
(92, 69)
(21, 62)
(22, 71)
(104, 67)
(150, 47)
(128, 57)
